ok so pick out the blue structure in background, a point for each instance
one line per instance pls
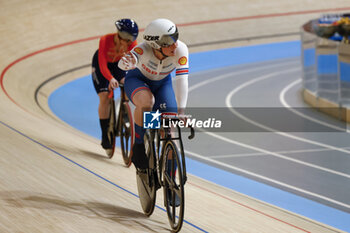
(327, 64)
(344, 70)
(330, 79)
(309, 57)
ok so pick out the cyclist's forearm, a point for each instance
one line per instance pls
(181, 91)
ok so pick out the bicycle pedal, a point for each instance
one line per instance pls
(156, 181)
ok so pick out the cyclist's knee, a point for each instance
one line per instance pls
(143, 99)
(103, 98)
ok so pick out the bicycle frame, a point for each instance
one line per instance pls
(158, 142)
(168, 137)
(119, 125)
(122, 101)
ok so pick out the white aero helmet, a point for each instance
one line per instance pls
(161, 33)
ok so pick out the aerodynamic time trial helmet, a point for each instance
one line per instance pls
(161, 33)
(127, 29)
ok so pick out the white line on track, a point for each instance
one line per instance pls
(279, 152)
(236, 73)
(232, 141)
(266, 178)
(228, 104)
(274, 74)
(284, 103)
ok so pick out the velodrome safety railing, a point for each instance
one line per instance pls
(326, 59)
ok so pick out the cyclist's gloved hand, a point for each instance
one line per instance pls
(113, 84)
(127, 62)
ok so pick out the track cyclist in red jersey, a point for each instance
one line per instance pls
(106, 74)
(148, 82)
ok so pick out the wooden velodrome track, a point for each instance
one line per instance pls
(54, 178)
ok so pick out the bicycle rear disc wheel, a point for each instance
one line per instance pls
(126, 132)
(146, 181)
(174, 194)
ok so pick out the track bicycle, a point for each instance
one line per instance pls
(122, 127)
(167, 169)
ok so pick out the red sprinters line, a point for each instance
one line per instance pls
(183, 25)
(33, 54)
(248, 207)
(264, 16)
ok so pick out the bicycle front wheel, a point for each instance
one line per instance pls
(126, 132)
(174, 194)
(112, 125)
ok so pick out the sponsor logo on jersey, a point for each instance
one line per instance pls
(166, 66)
(151, 63)
(138, 50)
(183, 61)
(149, 70)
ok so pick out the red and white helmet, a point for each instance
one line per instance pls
(161, 33)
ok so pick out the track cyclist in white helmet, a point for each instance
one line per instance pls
(148, 84)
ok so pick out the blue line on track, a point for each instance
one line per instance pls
(88, 170)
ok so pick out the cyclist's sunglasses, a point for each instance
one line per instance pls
(168, 40)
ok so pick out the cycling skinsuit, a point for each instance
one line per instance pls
(105, 63)
(154, 75)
